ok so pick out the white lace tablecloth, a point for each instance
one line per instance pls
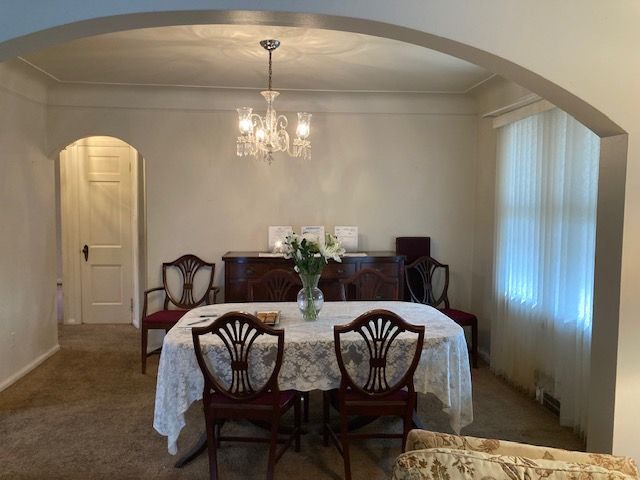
(309, 358)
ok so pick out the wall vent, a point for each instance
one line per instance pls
(551, 403)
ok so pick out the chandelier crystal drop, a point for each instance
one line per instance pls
(261, 136)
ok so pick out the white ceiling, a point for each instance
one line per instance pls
(229, 56)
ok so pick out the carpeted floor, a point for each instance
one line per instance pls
(87, 413)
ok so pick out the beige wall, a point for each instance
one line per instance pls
(28, 329)
(389, 171)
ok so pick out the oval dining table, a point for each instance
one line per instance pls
(309, 361)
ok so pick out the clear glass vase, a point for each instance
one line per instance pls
(310, 297)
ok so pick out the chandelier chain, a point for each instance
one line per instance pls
(270, 70)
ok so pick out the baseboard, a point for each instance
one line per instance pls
(23, 371)
(484, 356)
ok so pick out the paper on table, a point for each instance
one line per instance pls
(203, 322)
(347, 236)
(317, 230)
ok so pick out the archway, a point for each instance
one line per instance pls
(100, 231)
(350, 19)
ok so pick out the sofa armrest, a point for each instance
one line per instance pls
(421, 439)
(447, 463)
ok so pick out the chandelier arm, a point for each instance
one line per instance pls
(282, 121)
(257, 120)
(283, 137)
(289, 151)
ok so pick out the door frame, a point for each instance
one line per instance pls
(70, 228)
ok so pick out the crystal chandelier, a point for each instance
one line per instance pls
(262, 136)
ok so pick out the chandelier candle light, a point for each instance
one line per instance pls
(262, 136)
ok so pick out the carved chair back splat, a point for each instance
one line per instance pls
(187, 266)
(238, 331)
(421, 277)
(276, 285)
(370, 284)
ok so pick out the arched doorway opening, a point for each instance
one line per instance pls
(614, 147)
(100, 231)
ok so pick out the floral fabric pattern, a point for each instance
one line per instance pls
(442, 456)
(449, 464)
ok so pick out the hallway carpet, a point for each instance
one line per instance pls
(87, 413)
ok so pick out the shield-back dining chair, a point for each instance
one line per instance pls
(177, 301)
(370, 394)
(277, 285)
(237, 397)
(421, 279)
(369, 284)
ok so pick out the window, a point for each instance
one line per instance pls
(546, 197)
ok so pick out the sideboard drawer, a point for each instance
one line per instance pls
(386, 268)
(338, 270)
(239, 271)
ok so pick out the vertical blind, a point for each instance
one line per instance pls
(547, 179)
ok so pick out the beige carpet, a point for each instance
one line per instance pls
(87, 413)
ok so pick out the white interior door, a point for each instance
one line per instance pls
(105, 216)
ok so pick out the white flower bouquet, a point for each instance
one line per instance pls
(309, 254)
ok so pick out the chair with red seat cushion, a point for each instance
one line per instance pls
(368, 393)
(188, 268)
(233, 396)
(427, 281)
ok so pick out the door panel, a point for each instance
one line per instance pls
(105, 227)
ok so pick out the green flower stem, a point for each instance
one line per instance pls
(309, 283)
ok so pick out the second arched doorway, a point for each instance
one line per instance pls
(100, 227)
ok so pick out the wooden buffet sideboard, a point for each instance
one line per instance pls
(240, 267)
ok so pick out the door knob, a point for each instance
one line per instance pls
(85, 251)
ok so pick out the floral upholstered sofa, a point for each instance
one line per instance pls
(440, 456)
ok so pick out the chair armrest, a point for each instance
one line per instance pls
(215, 291)
(422, 439)
(146, 299)
(146, 292)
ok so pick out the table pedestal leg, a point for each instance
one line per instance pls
(417, 421)
(199, 447)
